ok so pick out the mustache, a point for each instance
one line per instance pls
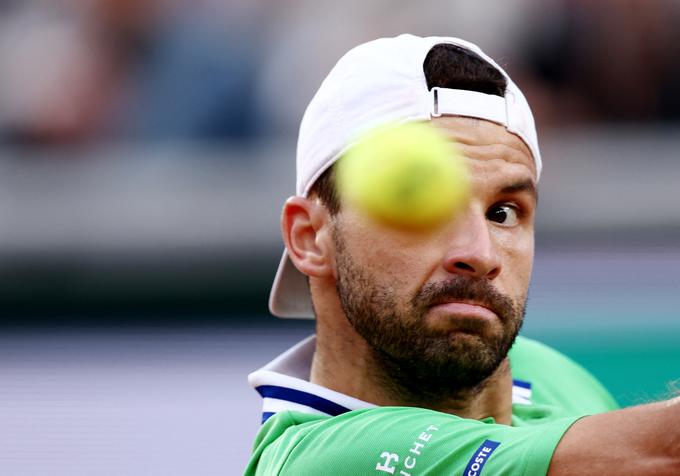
(463, 288)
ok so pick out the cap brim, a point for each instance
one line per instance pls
(290, 296)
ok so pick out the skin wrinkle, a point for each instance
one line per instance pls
(501, 152)
(475, 140)
(477, 132)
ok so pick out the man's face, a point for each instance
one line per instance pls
(441, 308)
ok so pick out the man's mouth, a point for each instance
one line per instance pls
(464, 309)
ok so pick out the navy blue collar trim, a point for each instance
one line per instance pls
(303, 398)
(266, 416)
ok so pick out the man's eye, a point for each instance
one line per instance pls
(506, 215)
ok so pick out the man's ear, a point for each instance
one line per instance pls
(307, 232)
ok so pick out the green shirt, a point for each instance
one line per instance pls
(312, 437)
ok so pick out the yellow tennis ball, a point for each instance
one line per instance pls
(408, 175)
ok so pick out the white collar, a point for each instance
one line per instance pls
(284, 386)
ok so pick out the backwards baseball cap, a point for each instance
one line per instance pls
(376, 83)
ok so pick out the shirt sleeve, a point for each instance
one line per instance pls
(557, 380)
(408, 441)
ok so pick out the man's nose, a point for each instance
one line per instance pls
(472, 251)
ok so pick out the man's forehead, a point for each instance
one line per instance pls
(481, 139)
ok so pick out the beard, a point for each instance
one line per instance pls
(417, 364)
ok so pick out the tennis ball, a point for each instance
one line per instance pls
(407, 175)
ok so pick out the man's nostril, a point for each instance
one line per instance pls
(464, 266)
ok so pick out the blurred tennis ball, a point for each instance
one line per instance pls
(407, 175)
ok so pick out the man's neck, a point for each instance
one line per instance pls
(344, 363)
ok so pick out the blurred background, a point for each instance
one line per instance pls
(146, 147)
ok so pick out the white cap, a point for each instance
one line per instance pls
(382, 82)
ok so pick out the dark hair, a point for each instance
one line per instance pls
(325, 189)
(445, 66)
(453, 67)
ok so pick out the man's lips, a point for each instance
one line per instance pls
(464, 309)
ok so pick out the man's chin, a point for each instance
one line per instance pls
(467, 342)
(469, 351)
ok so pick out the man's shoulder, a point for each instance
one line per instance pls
(400, 440)
(558, 380)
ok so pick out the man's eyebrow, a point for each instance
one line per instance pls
(522, 186)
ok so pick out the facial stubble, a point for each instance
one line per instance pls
(415, 364)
